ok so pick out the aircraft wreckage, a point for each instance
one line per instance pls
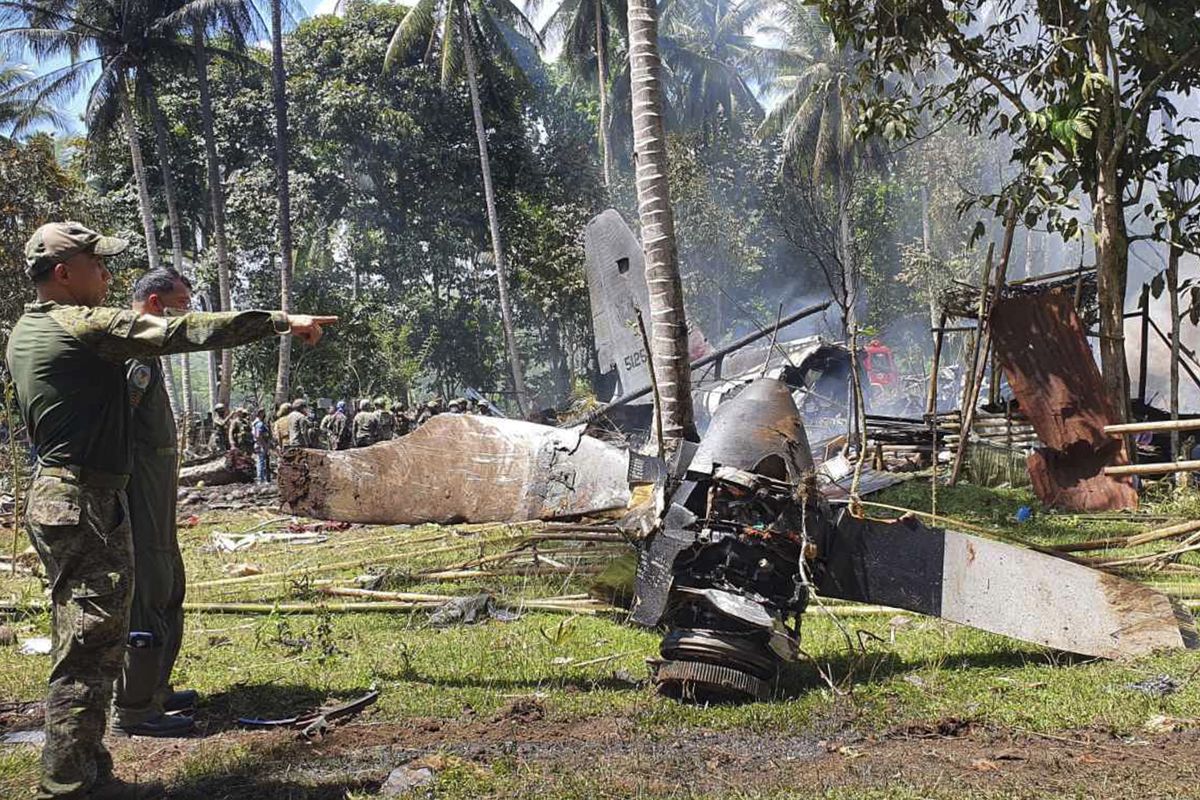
(743, 542)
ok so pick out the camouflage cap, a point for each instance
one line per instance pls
(55, 242)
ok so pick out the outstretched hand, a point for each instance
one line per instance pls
(308, 328)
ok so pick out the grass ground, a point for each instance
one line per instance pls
(557, 705)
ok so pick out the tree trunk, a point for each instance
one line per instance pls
(602, 86)
(1173, 255)
(185, 378)
(1112, 240)
(139, 173)
(169, 384)
(1112, 262)
(283, 378)
(216, 199)
(668, 330)
(163, 146)
(510, 339)
(850, 281)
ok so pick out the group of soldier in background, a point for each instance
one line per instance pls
(342, 427)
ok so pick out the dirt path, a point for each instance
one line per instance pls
(541, 755)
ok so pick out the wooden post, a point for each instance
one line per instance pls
(938, 337)
(1144, 356)
(981, 351)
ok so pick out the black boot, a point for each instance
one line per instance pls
(116, 789)
(182, 700)
(163, 726)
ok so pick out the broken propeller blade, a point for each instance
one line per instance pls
(1000, 588)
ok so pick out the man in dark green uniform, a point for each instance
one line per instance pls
(297, 430)
(387, 422)
(67, 357)
(142, 693)
(366, 425)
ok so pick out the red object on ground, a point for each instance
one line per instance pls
(881, 367)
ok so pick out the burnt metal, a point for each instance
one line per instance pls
(700, 363)
(896, 564)
(722, 574)
(700, 681)
(759, 431)
(1040, 343)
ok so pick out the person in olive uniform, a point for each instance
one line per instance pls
(218, 441)
(67, 357)
(387, 421)
(143, 693)
(337, 428)
(279, 426)
(297, 429)
(240, 437)
(366, 425)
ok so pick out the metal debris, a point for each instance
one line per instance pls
(498, 470)
(314, 722)
(747, 537)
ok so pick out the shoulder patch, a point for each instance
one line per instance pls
(139, 377)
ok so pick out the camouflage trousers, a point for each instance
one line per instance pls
(83, 537)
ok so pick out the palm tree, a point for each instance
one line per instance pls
(587, 28)
(279, 96)
(234, 21)
(707, 47)
(460, 28)
(816, 115)
(18, 110)
(90, 35)
(668, 326)
(123, 42)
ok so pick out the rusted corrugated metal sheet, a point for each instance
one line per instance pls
(1040, 342)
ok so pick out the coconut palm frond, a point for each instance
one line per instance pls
(418, 25)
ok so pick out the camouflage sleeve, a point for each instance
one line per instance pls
(119, 335)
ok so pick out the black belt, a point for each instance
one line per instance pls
(86, 476)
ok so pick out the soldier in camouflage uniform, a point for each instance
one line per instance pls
(366, 425)
(337, 428)
(67, 357)
(387, 421)
(297, 428)
(240, 437)
(218, 441)
(279, 426)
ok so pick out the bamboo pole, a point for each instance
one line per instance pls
(939, 336)
(371, 607)
(1150, 427)
(557, 535)
(979, 362)
(1133, 540)
(1158, 468)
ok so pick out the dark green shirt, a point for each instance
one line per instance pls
(68, 366)
(153, 428)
